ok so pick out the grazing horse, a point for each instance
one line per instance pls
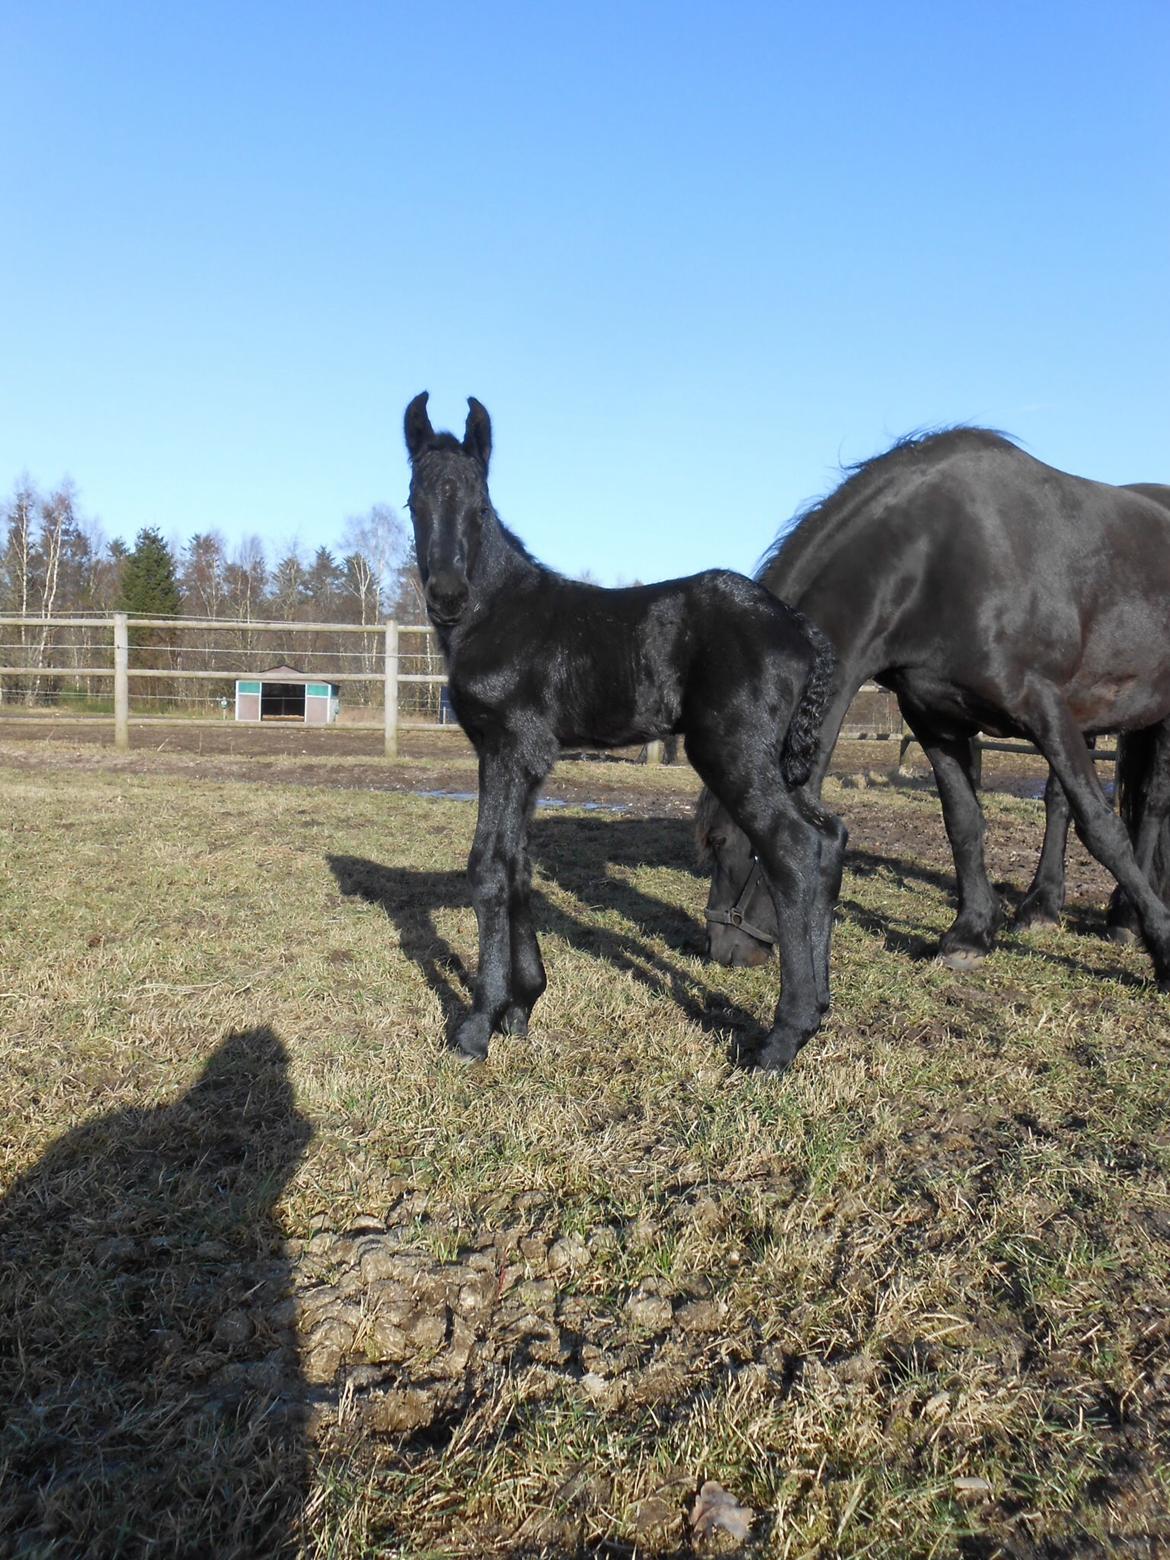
(536, 662)
(989, 592)
(1140, 784)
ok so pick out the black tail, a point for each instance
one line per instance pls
(1135, 754)
(798, 756)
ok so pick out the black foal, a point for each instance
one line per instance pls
(537, 662)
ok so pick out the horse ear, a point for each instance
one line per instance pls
(417, 425)
(477, 437)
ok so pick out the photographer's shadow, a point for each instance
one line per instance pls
(153, 1402)
(568, 851)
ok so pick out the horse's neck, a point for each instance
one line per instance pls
(820, 573)
(502, 564)
(500, 570)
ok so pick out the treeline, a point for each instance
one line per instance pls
(56, 562)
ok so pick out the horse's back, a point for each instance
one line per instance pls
(983, 541)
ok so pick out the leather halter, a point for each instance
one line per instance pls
(736, 917)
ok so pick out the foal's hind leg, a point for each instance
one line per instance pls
(832, 837)
(802, 863)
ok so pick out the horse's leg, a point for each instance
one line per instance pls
(1102, 831)
(1042, 904)
(528, 977)
(1044, 900)
(1135, 759)
(831, 838)
(495, 868)
(1144, 804)
(802, 862)
(970, 937)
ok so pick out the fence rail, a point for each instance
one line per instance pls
(874, 713)
(63, 651)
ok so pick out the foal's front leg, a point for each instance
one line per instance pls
(497, 869)
(528, 977)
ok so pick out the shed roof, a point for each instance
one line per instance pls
(284, 674)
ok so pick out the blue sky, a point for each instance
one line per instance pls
(690, 257)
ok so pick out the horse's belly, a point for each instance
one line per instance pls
(609, 728)
(948, 709)
(1119, 703)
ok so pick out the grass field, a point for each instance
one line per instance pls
(277, 1274)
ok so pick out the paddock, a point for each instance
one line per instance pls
(908, 1299)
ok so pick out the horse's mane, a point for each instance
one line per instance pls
(440, 441)
(922, 447)
(518, 546)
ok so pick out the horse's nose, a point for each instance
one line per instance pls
(446, 596)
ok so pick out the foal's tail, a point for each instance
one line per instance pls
(801, 741)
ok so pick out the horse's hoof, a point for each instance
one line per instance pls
(470, 1045)
(1124, 936)
(961, 959)
(515, 1022)
(776, 1057)
(1036, 921)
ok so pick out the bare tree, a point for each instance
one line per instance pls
(20, 546)
(374, 545)
(203, 576)
(375, 551)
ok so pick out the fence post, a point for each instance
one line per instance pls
(654, 752)
(390, 694)
(121, 682)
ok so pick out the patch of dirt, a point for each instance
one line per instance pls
(441, 761)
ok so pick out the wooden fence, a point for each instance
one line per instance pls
(51, 658)
(106, 649)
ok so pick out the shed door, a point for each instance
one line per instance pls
(247, 701)
(317, 704)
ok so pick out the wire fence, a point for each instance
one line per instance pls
(380, 676)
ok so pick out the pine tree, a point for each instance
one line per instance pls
(149, 587)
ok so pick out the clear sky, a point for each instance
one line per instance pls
(690, 256)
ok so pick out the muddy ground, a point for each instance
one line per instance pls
(443, 763)
(936, 1248)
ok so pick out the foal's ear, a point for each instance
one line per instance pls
(477, 437)
(417, 425)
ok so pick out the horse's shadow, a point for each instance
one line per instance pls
(901, 936)
(568, 852)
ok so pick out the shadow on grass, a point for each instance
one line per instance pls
(151, 1403)
(572, 853)
(901, 936)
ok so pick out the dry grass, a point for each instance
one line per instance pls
(277, 1273)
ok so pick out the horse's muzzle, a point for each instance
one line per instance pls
(447, 597)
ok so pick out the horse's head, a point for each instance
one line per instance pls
(449, 504)
(741, 917)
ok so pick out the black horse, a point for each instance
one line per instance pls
(536, 662)
(989, 592)
(1140, 785)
